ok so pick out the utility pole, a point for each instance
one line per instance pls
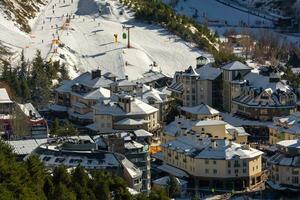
(128, 34)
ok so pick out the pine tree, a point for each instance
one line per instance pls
(174, 190)
(55, 127)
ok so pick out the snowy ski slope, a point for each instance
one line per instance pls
(89, 41)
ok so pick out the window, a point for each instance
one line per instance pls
(244, 170)
(215, 162)
(229, 171)
(207, 171)
(236, 163)
(206, 161)
(215, 171)
(295, 180)
(229, 164)
(236, 171)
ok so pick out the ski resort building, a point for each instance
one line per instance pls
(75, 98)
(285, 166)
(256, 96)
(284, 128)
(155, 98)
(215, 164)
(215, 129)
(200, 85)
(124, 112)
(154, 79)
(73, 152)
(134, 147)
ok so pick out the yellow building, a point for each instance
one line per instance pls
(285, 166)
(284, 128)
(216, 129)
(215, 164)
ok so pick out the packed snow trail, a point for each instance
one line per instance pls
(87, 42)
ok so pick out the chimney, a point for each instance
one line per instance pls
(230, 143)
(126, 77)
(213, 144)
(96, 73)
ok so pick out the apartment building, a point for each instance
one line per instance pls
(135, 147)
(233, 73)
(285, 166)
(82, 151)
(156, 98)
(258, 96)
(195, 86)
(221, 165)
(263, 97)
(284, 128)
(124, 112)
(215, 129)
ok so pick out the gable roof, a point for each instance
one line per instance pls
(4, 98)
(202, 109)
(236, 65)
(207, 72)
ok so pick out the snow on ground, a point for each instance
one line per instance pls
(88, 40)
(213, 10)
(215, 14)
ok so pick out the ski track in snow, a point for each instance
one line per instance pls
(89, 46)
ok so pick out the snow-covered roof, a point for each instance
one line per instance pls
(150, 76)
(239, 130)
(132, 170)
(210, 123)
(176, 87)
(165, 181)
(201, 109)
(209, 149)
(207, 72)
(285, 159)
(125, 82)
(133, 145)
(97, 94)
(128, 121)
(236, 65)
(173, 170)
(259, 81)
(177, 125)
(149, 93)
(190, 72)
(86, 80)
(27, 107)
(111, 107)
(239, 121)
(290, 143)
(25, 147)
(289, 124)
(4, 98)
(142, 133)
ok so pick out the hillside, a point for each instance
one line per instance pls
(21, 12)
(87, 42)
